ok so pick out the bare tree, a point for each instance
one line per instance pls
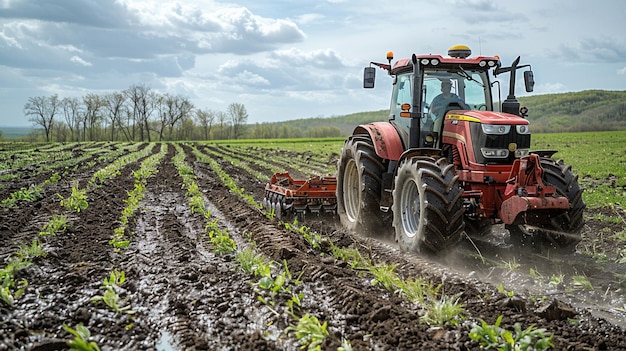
(238, 117)
(222, 119)
(42, 110)
(161, 106)
(180, 111)
(143, 102)
(93, 115)
(72, 113)
(114, 105)
(205, 119)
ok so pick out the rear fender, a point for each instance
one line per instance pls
(387, 142)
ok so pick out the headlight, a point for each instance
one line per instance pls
(496, 129)
(494, 153)
(519, 153)
(523, 129)
(434, 62)
(424, 61)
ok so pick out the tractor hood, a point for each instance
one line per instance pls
(487, 117)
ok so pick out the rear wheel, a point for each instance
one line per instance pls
(547, 231)
(359, 178)
(427, 205)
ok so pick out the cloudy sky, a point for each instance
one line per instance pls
(289, 59)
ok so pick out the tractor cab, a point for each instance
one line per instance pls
(442, 84)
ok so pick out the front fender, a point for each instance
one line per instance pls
(387, 142)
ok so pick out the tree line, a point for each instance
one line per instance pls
(135, 114)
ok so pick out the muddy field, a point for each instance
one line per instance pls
(179, 294)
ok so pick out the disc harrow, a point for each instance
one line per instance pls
(286, 195)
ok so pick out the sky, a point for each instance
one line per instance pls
(291, 59)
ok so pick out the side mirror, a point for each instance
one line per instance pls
(369, 76)
(529, 81)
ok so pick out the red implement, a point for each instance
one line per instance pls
(285, 194)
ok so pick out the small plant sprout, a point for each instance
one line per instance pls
(31, 251)
(535, 274)
(81, 338)
(309, 332)
(384, 275)
(56, 225)
(111, 297)
(447, 309)
(556, 280)
(418, 291)
(77, 201)
(581, 281)
(493, 336)
(249, 260)
(511, 265)
(345, 345)
(502, 290)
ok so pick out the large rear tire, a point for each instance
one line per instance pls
(359, 178)
(427, 206)
(546, 231)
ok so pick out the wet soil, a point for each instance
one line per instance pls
(180, 295)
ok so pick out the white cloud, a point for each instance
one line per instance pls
(80, 61)
(322, 58)
(309, 18)
(621, 71)
(249, 78)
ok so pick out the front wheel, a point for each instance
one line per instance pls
(359, 182)
(548, 231)
(427, 205)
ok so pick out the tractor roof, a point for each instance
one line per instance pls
(458, 55)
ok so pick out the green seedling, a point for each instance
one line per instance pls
(54, 178)
(77, 201)
(511, 265)
(535, 274)
(580, 281)
(9, 290)
(351, 256)
(222, 243)
(81, 338)
(384, 275)
(556, 280)
(31, 251)
(493, 336)
(345, 345)
(249, 260)
(111, 298)
(447, 309)
(309, 332)
(418, 291)
(56, 225)
(502, 290)
(30, 194)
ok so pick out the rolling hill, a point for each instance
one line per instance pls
(589, 110)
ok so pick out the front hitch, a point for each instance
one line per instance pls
(525, 191)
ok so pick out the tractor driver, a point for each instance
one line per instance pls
(440, 103)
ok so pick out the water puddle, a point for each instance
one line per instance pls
(166, 343)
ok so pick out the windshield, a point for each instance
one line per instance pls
(461, 89)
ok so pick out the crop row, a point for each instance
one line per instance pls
(274, 282)
(77, 201)
(438, 309)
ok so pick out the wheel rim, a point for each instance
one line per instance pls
(351, 185)
(410, 205)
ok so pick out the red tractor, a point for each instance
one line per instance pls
(447, 163)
